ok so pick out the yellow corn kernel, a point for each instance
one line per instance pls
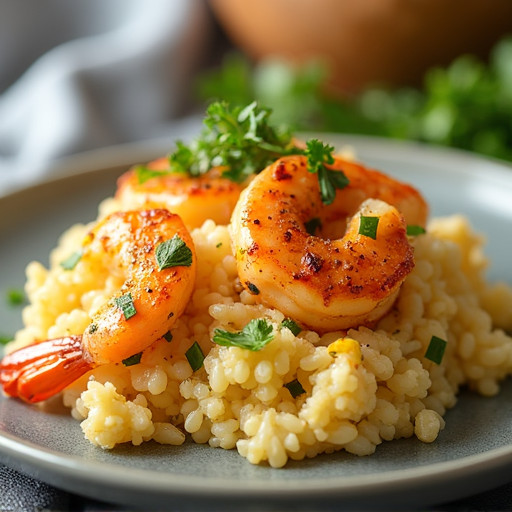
(347, 346)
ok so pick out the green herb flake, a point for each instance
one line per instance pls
(291, 325)
(219, 245)
(239, 138)
(144, 173)
(173, 253)
(132, 360)
(313, 225)
(295, 388)
(167, 336)
(252, 288)
(15, 297)
(93, 328)
(70, 262)
(125, 304)
(318, 155)
(195, 356)
(368, 226)
(435, 350)
(254, 336)
(414, 230)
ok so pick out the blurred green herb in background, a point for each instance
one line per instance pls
(467, 105)
(16, 297)
(5, 339)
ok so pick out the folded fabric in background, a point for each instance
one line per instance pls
(99, 74)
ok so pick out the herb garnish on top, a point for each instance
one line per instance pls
(243, 142)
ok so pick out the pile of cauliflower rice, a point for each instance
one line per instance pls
(375, 385)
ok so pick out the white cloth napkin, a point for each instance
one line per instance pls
(105, 72)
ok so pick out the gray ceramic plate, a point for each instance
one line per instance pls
(472, 454)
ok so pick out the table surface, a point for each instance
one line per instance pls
(21, 493)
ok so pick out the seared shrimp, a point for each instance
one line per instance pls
(324, 283)
(194, 199)
(154, 253)
(367, 183)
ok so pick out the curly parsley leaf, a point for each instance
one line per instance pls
(240, 139)
(254, 336)
(319, 155)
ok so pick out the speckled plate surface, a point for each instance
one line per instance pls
(472, 454)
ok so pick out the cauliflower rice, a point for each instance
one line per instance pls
(377, 386)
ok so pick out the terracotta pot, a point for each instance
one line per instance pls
(366, 42)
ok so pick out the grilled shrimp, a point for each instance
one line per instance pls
(153, 253)
(341, 279)
(194, 199)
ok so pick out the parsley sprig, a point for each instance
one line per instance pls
(318, 155)
(242, 140)
(254, 336)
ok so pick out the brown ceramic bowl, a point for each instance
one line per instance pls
(365, 42)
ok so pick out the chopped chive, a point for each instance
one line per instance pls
(173, 253)
(295, 388)
(313, 225)
(368, 226)
(219, 245)
(15, 297)
(195, 356)
(167, 336)
(290, 324)
(70, 262)
(135, 359)
(435, 350)
(414, 230)
(252, 288)
(125, 304)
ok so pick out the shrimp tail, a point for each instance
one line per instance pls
(37, 372)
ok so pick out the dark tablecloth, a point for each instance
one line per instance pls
(20, 493)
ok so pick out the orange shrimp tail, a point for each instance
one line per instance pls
(39, 371)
